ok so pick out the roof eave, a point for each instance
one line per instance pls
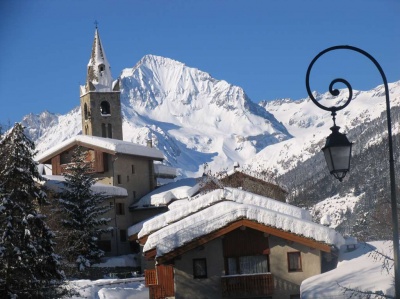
(152, 253)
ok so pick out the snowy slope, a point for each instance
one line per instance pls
(359, 270)
(310, 125)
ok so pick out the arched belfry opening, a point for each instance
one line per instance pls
(85, 111)
(101, 68)
(105, 108)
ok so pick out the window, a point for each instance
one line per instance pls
(134, 194)
(122, 235)
(120, 208)
(294, 261)
(105, 108)
(103, 130)
(133, 169)
(127, 178)
(109, 131)
(85, 111)
(118, 179)
(248, 264)
(199, 268)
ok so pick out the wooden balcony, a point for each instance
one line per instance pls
(150, 277)
(247, 285)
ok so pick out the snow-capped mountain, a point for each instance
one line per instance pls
(193, 118)
(196, 120)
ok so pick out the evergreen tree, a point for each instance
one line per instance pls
(81, 211)
(28, 266)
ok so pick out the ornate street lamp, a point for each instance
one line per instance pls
(337, 149)
(337, 152)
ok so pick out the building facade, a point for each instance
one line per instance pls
(116, 164)
(231, 243)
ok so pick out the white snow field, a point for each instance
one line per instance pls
(359, 269)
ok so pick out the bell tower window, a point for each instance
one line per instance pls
(85, 111)
(105, 108)
(101, 68)
(109, 131)
(103, 131)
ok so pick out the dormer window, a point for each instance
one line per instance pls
(101, 68)
(105, 108)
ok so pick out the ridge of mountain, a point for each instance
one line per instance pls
(193, 118)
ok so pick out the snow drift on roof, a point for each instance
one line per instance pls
(211, 198)
(221, 214)
(56, 184)
(107, 144)
(163, 195)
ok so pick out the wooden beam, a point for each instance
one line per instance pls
(287, 235)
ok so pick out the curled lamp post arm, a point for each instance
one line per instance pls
(333, 110)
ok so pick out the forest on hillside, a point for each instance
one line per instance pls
(310, 182)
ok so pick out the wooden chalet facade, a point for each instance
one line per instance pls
(239, 258)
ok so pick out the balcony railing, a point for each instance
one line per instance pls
(247, 285)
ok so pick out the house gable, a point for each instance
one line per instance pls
(235, 225)
(246, 182)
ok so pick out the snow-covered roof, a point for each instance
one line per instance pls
(202, 202)
(56, 183)
(222, 214)
(108, 145)
(359, 269)
(164, 194)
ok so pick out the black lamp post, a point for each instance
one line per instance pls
(337, 149)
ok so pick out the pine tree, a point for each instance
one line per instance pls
(28, 266)
(82, 209)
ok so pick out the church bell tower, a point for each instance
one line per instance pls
(100, 97)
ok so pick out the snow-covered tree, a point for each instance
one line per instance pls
(81, 211)
(28, 266)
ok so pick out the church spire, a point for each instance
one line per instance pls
(99, 71)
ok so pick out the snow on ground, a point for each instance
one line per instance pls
(358, 269)
(128, 260)
(131, 288)
(111, 288)
(334, 209)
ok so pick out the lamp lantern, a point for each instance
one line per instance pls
(337, 152)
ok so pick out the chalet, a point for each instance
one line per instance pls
(239, 178)
(231, 243)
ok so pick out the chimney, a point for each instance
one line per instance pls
(149, 143)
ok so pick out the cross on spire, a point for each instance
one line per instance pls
(96, 23)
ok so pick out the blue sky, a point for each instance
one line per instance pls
(263, 46)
